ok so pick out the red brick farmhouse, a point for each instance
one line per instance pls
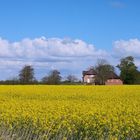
(113, 79)
(89, 77)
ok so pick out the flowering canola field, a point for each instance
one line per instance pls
(69, 112)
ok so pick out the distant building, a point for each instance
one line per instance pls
(114, 79)
(89, 76)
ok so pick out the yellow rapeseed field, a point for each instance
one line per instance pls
(69, 112)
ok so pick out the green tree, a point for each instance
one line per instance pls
(137, 78)
(128, 70)
(53, 78)
(26, 75)
(103, 70)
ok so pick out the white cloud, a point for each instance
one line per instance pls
(67, 55)
(48, 53)
(44, 48)
(129, 47)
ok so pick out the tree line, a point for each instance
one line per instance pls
(129, 74)
(27, 76)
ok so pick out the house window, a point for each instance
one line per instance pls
(88, 80)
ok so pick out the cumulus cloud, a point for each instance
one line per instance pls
(48, 53)
(70, 56)
(47, 48)
(131, 47)
(127, 47)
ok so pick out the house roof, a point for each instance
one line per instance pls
(113, 76)
(89, 72)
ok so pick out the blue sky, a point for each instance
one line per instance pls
(41, 32)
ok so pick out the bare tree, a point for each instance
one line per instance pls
(53, 78)
(71, 78)
(103, 70)
(26, 75)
